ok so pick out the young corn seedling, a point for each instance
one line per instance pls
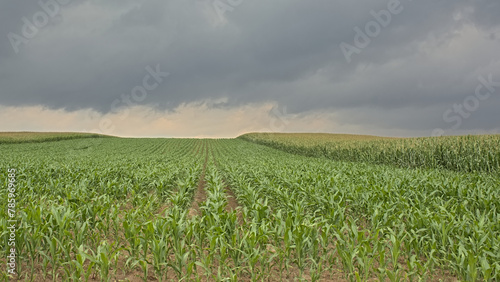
(395, 248)
(160, 250)
(77, 271)
(104, 259)
(132, 236)
(366, 255)
(348, 251)
(53, 255)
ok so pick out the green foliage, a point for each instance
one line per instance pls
(124, 206)
(458, 153)
(37, 137)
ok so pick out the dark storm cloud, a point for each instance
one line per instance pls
(485, 12)
(426, 59)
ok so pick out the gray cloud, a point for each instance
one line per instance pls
(424, 61)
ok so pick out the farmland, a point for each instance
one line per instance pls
(458, 153)
(34, 137)
(229, 209)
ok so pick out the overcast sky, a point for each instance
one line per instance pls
(219, 68)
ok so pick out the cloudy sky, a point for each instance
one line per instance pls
(219, 68)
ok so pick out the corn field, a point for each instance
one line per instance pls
(458, 153)
(35, 137)
(231, 210)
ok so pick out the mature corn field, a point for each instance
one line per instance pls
(214, 210)
(459, 153)
(34, 137)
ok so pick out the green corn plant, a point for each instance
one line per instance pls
(53, 255)
(77, 269)
(104, 258)
(160, 250)
(348, 251)
(144, 266)
(367, 253)
(486, 269)
(395, 238)
(131, 235)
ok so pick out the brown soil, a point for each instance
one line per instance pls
(201, 195)
(232, 202)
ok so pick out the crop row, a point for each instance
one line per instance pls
(80, 209)
(458, 153)
(118, 208)
(427, 219)
(38, 137)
